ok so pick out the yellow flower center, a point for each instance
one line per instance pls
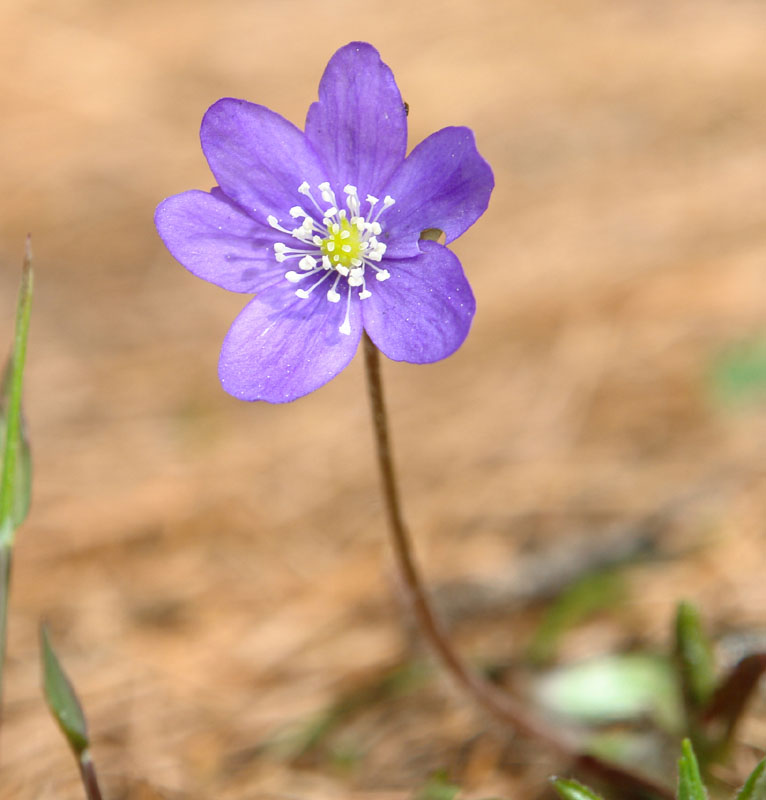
(343, 244)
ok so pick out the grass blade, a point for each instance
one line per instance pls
(61, 697)
(690, 786)
(67, 711)
(15, 478)
(573, 790)
(695, 657)
(755, 785)
(16, 475)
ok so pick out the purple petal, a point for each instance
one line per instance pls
(282, 347)
(258, 158)
(216, 241)
(444, 183)
(423, 312)
(358, 125)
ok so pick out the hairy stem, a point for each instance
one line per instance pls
(497, 703)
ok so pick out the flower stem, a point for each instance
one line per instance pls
(497, 703)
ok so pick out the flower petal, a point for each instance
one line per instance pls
(359, 124)
(258, 158)
(282, 347)
(216, 241)
(423, 312)
(444, 183)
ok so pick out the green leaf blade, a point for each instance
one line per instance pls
(695, 656)
(690, 785)
(61, 698)
(16, 476)
(21, 479)
(593, 592)
(755, 785)
(570, 789)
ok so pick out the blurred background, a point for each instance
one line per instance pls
(215, 573)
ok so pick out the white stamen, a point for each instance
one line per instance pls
(307, 262)
(388, 201)
(304, 293)
(332, 294)
(327, 193)
(345, 328)
(304, 188)
(352, 199)
(382, 275)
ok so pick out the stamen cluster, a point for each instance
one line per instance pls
(344, 244)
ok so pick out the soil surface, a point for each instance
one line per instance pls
(215, 574)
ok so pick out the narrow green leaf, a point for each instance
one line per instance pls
(755, 785)
(695, 657)
(15, 479)
(61, 698)
(22, 487)
(571, 789)
(593, 592)
(690, 786)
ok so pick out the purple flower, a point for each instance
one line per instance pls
(324, 227)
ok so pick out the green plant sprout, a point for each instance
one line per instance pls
(15, 479)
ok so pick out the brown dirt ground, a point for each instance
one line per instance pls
(215, 573)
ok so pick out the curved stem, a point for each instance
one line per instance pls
(498, 703)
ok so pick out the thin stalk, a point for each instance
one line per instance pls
(6, 558)
(88, 775)
(497, 703)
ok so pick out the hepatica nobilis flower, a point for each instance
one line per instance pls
(324, 227)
